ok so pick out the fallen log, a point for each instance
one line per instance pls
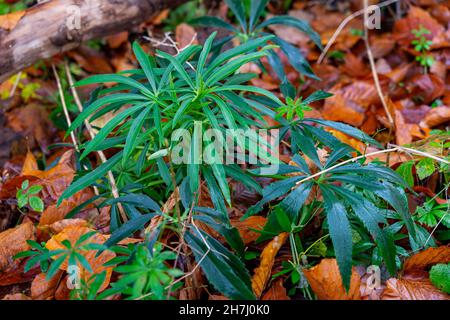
(61, 25)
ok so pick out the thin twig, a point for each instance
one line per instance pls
(342, 26)
(64, 106)
(112, 180)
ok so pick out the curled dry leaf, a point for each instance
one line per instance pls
(276, 292)
(41, 289)
(326, 282)
(72, 234)
(402, 129)
(426, 87)
(427, 258)
(247, 227)
(413, 287)
(59, 226)
(263, 272)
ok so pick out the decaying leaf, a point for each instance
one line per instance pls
(41, 289)
(417, 287)
(326, 282)
(247, 227)
(436, 116)
(16, 296)
(427, 258)
(263, 272)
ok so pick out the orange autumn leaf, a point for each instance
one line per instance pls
(30, 164)
(417, 287)
(72, 234)
(276, 292)
(263, 272)
(427, 258)
(354, 143)
(10, 20)
(326, 282)
(247, 227)
(185, 35)
(43, 289)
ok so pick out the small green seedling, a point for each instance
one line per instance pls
(422, 45)
(27, 195)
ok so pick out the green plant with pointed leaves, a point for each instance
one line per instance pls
(250, 27)
(50, 261)
(146, 275)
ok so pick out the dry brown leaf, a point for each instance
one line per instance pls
(41, 289)
(263, 272)
(10, 20)
(427, 258)
(117, 39)
(402, 130)
(72, 234)
(355, 143)
(436, 116)
(416, 287)
(185, 35)
(59, 226)
(276, 292)
(244, 227)
(13, 241)
(326, 282)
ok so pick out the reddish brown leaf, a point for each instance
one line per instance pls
(245, 227)
(326, 282)
(41, 289)
(276, 292)
(416, 287)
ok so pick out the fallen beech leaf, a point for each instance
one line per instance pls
(32, 122)
(326, 282)
(185, 35)
(244, 227)
(263, 272)
(415, 18)
(427, 258)
(16, 296)
(276, 292)
(355, 143)
(402, 130)
(41, 289)
(13, 241)
(10, 20)
(412, 288)
(337, 108)
(59, 226)
(426, 87)
(72, 234)
(436, 116)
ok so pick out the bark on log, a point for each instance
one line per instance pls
(61, 25)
